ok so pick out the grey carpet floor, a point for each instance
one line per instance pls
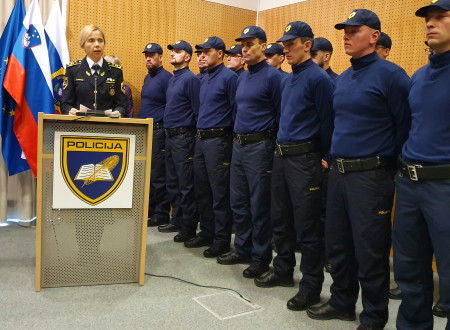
(159, 304)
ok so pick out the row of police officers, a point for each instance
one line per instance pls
(245, 148)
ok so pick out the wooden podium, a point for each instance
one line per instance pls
(90, 246)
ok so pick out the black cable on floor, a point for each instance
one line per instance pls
(199, 285)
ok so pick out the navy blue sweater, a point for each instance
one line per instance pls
(283, 73)
(372, 116)
(153, 94)
(429, 99)
(238, 72)
(258, 99)
(182, 100)
(217, 98)
(307, 106)
(333, 75)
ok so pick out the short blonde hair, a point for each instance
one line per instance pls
(86, 32)
(113, 59)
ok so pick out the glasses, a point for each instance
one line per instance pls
(234, 55)
(379, 47)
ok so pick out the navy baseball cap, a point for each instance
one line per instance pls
(360, 17)
(252, 31)
(274, 48)
(212, 42)
(181, 45)
(443, 4)
(153, 48)
(384, 40)
(235, 49)
(296, 29)
(322, 44)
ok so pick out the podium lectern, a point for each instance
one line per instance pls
(92, 245)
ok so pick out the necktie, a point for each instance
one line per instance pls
(96, 68)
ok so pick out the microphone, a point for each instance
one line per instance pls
(96, 68)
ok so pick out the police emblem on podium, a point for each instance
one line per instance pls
(92, 167)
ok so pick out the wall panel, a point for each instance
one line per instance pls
(130, 25)
(397, 20)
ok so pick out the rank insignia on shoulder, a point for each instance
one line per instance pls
(73, 63)
(115, 66)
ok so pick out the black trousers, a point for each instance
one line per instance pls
(295, 215)
(358, 241)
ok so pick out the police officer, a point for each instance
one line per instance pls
(180, 119)
(421, 221)
(372, 120)
(321, 53)
(275, 56)
(153, 104)
(92, 82)
(258, 99)
(304, 136)
(384, 45)
(212, 157)
(235, 61)
(202, 65)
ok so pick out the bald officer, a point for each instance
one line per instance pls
(258, 100)
(212, 157)
(372, 119)
(304, 136)
(275, 56)
(180, 120)
(153, 105)
(422, 212)
(235, 61)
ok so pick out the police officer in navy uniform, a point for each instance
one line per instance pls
(93, 78)
(321, 53)
(372, 119)
(304, 136)
(422, 210)
(212, 157)
(235, 61)
(384, 45)
(275, 56)
(153, 104)
(180, 119)
(202, 66)
(258, 100)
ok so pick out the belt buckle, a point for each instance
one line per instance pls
(340, 165)
(199, 135)
(280, 151)
(412, 171)
(238, 138)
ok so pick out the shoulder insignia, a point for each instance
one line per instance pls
(73, 63)
(115, 66)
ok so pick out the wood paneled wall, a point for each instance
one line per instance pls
(130, 25)
(397, 20)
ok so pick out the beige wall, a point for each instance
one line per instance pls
(397, 20)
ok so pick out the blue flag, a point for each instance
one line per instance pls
(12, 153)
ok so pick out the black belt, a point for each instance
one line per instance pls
(212, 132)
(158, 125)
(254, 137)
(170, 132)
(427, 172)
(361, 164)
(295, 149)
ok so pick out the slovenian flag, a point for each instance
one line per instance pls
(12, 153)
(28, 81)
(58, 52)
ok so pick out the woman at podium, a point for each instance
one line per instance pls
(93, 84)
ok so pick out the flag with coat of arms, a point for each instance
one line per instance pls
(28, 81)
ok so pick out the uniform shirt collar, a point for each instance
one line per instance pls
(258, 66)
(359, 63)
(302, 66)
(438, 60)
(91, 63)
(180, 71)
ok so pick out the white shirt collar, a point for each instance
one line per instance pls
(91, 63)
